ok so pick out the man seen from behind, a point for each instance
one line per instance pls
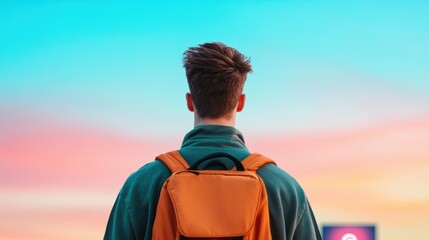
(216, 75)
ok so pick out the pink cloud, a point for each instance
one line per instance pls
(38, 151)
(374, 145)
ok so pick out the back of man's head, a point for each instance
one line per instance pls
(216, 74)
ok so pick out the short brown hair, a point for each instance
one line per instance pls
(216, 74)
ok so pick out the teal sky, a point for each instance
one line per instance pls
(317, 65)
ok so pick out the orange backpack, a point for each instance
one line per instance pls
(212, 204)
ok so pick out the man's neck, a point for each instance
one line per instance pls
(215, 121)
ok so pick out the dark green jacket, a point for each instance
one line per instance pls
(134, 211)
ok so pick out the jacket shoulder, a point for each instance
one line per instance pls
(145, 180)
(282, 186)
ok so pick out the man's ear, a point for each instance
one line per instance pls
(241, 102)
(189, 102)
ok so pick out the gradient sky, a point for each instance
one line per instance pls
(92, 90)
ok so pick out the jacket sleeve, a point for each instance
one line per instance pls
(307, 227)
(119, 225)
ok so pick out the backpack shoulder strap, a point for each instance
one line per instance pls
(255, 160)
(174, 161)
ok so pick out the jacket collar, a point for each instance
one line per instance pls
(215, 136)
